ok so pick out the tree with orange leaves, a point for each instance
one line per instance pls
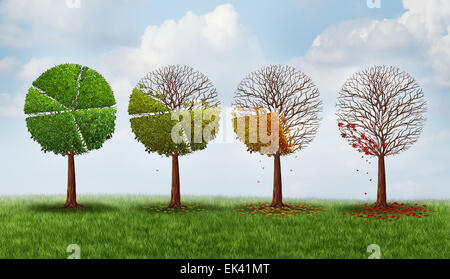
(276, 114)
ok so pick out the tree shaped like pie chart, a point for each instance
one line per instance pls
(174, 100)
(70, 112)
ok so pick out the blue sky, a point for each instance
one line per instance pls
(328, 40)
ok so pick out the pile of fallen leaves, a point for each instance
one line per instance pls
(394, 212)
(187, 208)
(287, 211)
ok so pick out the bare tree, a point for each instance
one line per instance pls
(293, 97)
(178, 88)
(384, 107)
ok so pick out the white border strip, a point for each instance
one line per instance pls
(75, 101)
(148, 114)
(64, 111)
(45, 94)
(80, 134)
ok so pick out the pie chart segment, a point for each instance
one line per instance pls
(155, 132)
(37, 102)
(94, 91)
(141, 103)
(56, 132)
(96, 126)
(60, 83)
(152, 125)
(252, 129)
(198, 140)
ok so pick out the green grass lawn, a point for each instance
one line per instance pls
(136, 227)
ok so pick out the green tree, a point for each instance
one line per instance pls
(70, 112)
(174, 112)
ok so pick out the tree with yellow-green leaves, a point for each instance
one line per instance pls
(174, 112)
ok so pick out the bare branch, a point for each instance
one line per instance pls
(286, 91)
(387, 105)
(179, 87)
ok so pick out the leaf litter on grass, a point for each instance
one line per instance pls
(289, 210)
(394, 212)
(188, 208)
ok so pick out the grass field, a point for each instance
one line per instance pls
(137, 227)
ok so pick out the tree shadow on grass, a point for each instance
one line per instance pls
(345, 208)
(93, 207)
(353, 206)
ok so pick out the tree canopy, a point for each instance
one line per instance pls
(279, 93)
(69, 108)
(381, 111)
(174, 99)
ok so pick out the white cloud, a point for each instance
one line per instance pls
(28, 21)
(96, 24)
(8, 66)
(417, 39)
(427, 20)
(11, 106)
(340, 44)
(440, 60)
(328, 78)
(35, 67)
(13, 36)
(52, 14)
(221, 27)
(214, 43)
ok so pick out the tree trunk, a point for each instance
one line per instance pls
(381, 194)
(71, 200)
(175, 199)
(277, 200)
